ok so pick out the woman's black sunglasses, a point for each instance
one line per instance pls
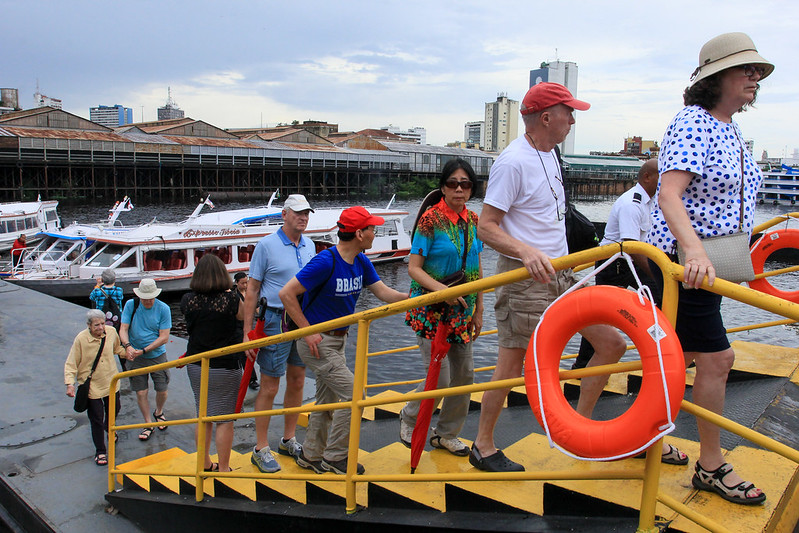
(454, 184)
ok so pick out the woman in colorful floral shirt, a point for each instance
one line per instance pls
(445, 230)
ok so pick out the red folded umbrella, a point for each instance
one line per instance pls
(438, 351)
(256, 333)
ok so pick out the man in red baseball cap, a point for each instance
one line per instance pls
(331, 283)
(523, 219)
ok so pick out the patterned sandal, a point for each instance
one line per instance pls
(712, 480)
(674, 457)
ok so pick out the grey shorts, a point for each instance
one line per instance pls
(160, 377)
(519, 306)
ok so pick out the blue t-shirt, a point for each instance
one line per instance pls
(276, 260)
(334, 285)
(145, 326)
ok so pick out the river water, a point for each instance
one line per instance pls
(391, 332)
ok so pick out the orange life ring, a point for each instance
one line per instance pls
(646, 418)
(762, 249)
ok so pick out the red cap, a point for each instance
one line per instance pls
(546, 94)
(354, 218)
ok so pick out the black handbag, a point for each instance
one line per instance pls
(82, 394)
(580, 232)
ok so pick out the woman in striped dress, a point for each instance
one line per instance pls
(211, 310)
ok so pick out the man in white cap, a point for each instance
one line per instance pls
(144, 333)
(523, 219)
(275, 260)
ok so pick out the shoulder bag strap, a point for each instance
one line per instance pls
(743, 184)
(97, 359)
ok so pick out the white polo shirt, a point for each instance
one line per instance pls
(630, 217)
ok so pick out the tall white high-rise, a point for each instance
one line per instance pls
(565, 73)
(501, 123)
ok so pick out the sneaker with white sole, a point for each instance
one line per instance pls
(406, 433)
(340, 466)
(316, 466)
(453, 445)
(264, 460)
(289, 447)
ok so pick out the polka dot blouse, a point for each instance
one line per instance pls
(711, 150)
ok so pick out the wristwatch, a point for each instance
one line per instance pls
(143, 351)
(126, 345)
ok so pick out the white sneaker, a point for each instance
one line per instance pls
(406, 433)
(453, 445)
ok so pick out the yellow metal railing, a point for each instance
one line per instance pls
(650, 474)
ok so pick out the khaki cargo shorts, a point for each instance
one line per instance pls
(519, 306)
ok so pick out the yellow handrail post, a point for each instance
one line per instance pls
(112, 403)
(649, 492)
(359, 380)
(203, 412)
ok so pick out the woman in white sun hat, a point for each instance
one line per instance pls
(708, 187)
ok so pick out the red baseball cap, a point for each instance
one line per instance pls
(354, 218)
(547, 94)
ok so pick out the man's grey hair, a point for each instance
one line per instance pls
(94, 314)
(108, 276)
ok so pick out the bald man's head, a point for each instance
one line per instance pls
(648, 176)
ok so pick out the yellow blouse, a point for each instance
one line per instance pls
(81, 358)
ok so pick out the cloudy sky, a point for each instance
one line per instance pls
(366, 64)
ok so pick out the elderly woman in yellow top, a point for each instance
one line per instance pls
(78, 365)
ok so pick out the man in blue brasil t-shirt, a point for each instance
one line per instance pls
(331, 283)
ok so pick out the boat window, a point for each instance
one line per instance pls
(3, 227)
(245, 253)
(110, 254)
(389, 228)
(165, 260)
(51, 215)
(222, 252)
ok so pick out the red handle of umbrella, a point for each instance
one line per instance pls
(256, 333)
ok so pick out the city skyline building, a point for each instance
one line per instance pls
(501, 123)
(474, 133)
(416, 134)
(111, 116)
(565, 73)
(42, 100)
(170, 110)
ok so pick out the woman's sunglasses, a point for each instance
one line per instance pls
(454, 184)
(749, 70)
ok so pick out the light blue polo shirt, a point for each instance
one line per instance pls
(276, 260)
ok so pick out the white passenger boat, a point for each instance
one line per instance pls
(59, 252)
(29, 218)
(168, 252)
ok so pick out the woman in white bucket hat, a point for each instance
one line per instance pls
(703, 166)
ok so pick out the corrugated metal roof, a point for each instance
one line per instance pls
(38, 133)
(138, 136)
(602, 161)
(429, 149)
(205, 141)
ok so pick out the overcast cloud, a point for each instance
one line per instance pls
(366, 64)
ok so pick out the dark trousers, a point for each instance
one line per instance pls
(98, 421)
(617, 274)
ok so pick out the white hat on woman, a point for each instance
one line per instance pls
(725, 51)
